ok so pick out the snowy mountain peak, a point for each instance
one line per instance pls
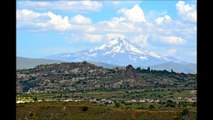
(112, 43)
(117, 51)
(118, 45)
(122, 45)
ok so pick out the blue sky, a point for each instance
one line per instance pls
(50, 27)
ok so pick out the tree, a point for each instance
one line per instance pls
(117, 104)
(35, 99)
(148, 69)
(84, 108)
(138, 69)
(185, 112)
(151, 106)
(170, 103)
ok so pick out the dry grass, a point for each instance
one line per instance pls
(73, 111)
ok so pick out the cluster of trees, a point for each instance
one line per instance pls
(149, 70)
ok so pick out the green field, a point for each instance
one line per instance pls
(118, 95)
(91, 111)
(39, 108)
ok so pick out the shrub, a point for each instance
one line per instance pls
(142, 107)
(117, 104)
(84, 108)
(185, 112)
(31, 114)
(151, 106)
(35, 99)
(170, 103)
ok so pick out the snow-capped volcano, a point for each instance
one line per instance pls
(118, 51)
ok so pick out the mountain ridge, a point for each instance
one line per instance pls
(75, 76)
(185, 68)
(27, 63)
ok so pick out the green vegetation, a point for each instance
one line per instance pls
(163, 110)
(151, 106)
(84, 108)
(114, 95)
(91, 111)
(73, 91)
(117, 104)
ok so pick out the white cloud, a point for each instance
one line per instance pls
(117, 25)
(71, 6)
(26, 15)
(79, 19)
(90, 29)
(186, 11)
(164, 30)
(58, 21)
(92, 5)
(48, 20)
(115, 35)
(34, 21)
(170, 52)
(166, 19)
(115, 21)
(78, 38)
(93, 37)
(135, 14)
(82, 28)
(141, 40)
(172, 40)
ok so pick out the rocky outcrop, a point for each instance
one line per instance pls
(86, 76)
(130, 72)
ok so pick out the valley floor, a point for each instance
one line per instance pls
(108, 105)
(58, 110)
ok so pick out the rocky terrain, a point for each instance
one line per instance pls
(84, 76)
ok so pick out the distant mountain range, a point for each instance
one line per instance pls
(186, 68)
(118, 51)
(26, 63)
